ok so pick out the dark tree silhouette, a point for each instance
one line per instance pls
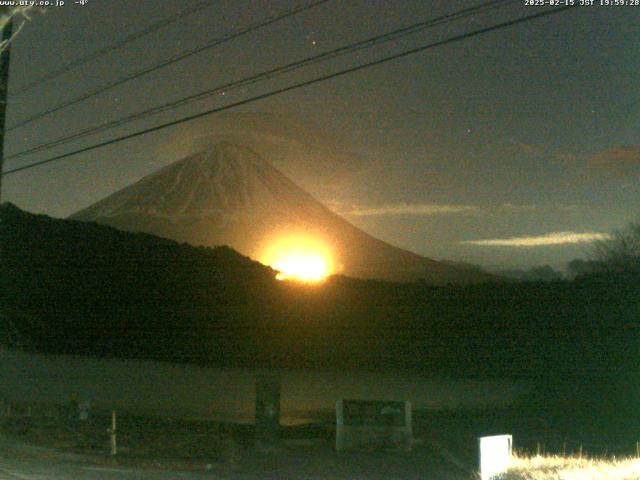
(621, 253)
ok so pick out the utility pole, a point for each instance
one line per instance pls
(4, 84)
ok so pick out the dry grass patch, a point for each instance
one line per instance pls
(572, 468)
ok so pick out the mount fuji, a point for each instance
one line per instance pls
(229, 195)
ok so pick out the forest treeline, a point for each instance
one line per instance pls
(71, 287)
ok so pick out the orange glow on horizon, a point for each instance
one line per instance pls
(298, 258)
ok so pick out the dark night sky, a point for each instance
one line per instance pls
(523, 132)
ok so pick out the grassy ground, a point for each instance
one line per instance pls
(446, 448)
(225, 451)
(572, 468)
(138, 437)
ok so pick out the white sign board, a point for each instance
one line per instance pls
(495, 455)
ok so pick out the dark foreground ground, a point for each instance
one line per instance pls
(153, 448)
(310, 461)
(35, 448)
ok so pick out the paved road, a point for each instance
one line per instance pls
(55, 469)
(40, 469)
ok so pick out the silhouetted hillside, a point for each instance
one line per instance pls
(84, 288)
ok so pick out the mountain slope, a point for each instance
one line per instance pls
(229, 195)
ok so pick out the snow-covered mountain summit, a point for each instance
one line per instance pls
(224, 180)
(229, 195)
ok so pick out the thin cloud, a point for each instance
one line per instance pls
(513, 207)
(554, 238)
(620, 161)
(411, 209)
(565, 158)
(529, 149)
(532, 207)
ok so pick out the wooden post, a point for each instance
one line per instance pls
(638, 449)
(580, 452)
(112, 435)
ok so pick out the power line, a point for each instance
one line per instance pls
(176, 58)
(269, 74)
(201, 5)
(294, 87)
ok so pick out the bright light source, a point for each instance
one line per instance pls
(495, 455)
(298, 257)
(307, 267)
